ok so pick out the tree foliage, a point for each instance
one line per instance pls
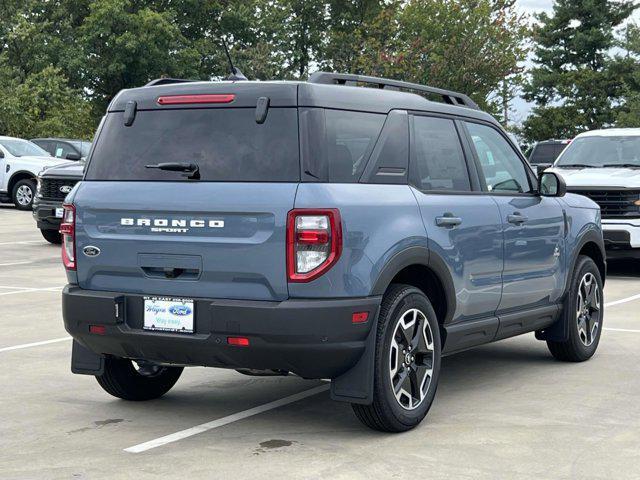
(575, 84)
(62, 61)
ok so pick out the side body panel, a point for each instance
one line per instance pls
(378, 222)
(533, 252)
(472, 251)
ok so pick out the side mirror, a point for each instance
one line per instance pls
(73, 156)
(551, 185)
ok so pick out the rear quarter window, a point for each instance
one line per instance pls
(226, 143)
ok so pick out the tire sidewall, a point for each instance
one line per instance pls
(412, 298)
(32, 185)
(585, 265)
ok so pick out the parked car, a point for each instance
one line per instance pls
(544, 153)
(321, 228)
(54, 184)
(604, 165)
(66, 148)
(20, 163)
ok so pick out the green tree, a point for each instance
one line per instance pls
(44, 105)
(573, 83)
(628, 68)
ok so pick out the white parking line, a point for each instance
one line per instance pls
(23, 242)
(627, 330)
(189, 432)
(624, 300)
(30, 290)
(35, 344)
(15, 263)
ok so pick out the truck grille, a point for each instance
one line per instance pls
(50, 187)
(614, 203)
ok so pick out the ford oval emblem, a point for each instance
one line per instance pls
(91, 251)
(180, 310)
(66, 188)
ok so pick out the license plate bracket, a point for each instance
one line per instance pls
(167, 314)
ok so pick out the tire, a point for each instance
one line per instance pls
(390, 412)
(584, 330)
(23, 193)
(52, 236)
(121, 379)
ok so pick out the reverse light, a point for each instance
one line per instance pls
(68, 231)
(192, 99)
(314, 242)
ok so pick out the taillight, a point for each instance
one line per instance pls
(314, 242)
(68, 231)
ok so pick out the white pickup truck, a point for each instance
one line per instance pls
(604, 165)
(20, 163)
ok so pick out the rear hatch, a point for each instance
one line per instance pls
(159, 232)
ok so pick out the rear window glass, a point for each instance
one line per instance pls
(226, 144)
(546, 153)
(350, 140)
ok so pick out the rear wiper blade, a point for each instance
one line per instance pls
(622, 165)
(575, 165)
(192, 169)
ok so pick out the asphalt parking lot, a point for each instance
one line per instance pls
(506, 410)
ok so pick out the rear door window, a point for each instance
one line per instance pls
(438, 163)
(226, 143)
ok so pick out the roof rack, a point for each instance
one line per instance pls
(167, 81)
(448, 96)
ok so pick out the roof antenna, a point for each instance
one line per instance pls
(236, 74)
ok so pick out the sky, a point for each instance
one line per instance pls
(522, 108)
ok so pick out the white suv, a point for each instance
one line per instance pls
(20, 163)
(604, 165)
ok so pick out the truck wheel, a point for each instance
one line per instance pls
(23, 194)
(583, 312)
(407, 362)
(122, 379)
(52, 236)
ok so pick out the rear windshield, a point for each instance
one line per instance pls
(226, 144)
(544, 153)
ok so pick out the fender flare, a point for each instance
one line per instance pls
(593, 236)
(559, 331)
(14, 174)
(418, 255)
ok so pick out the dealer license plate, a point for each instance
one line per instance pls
(168, 314)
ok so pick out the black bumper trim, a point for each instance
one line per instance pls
(309, 337)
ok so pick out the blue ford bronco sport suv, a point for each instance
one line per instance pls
(346, 228)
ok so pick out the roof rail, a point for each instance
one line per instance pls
(448, 96)
(167, 81)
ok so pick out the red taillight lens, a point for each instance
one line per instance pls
(68, 231)
(314, 242)
(238, 341)
(192, 99)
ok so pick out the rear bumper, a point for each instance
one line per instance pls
(312, 338)
(44, 213)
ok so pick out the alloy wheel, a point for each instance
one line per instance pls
(411, 358)
(24, 195)
(588, 309)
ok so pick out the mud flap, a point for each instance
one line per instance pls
(559, 330)
(85, 362)
(356, 384)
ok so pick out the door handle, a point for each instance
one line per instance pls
(517, 218)
(448, 221)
